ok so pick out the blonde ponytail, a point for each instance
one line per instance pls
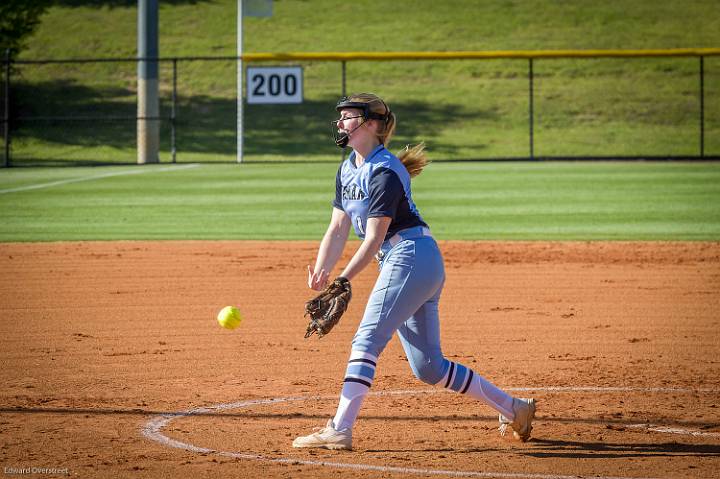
(414, 159)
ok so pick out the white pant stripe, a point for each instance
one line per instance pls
(363, 355)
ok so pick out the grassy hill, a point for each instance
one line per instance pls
(462, 109)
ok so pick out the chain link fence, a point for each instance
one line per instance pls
(486, 106)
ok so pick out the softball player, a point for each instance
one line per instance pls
(373, 196)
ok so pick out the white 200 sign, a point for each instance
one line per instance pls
(274, 85)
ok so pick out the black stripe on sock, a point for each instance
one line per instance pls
(450, 373)
(363, 360)
(356, 380)
(467, 385)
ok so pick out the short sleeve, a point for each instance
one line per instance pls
(386, 192)
(337, 202)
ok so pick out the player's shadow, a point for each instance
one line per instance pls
(549, 448)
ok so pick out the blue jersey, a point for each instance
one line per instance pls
(379, 187)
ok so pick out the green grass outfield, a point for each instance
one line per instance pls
(478, 201)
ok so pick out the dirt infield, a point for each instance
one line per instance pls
(109, 348)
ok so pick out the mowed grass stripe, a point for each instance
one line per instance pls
(75, 179)
(475, 201)
(576, 201)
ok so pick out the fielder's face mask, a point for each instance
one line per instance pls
(342, 137)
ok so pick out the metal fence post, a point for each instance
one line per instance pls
(531, 108)
(148, 93)
(173, 110)
(344, 77)
(6, 116)
(702, 106)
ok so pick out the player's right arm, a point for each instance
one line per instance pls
(331, 248)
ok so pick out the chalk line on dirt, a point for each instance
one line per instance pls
(153, 431)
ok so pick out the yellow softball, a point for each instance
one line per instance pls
(229, 317)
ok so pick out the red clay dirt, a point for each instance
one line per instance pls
(618, 342)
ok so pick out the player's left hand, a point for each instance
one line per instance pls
(317, 281)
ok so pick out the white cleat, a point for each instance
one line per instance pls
(524, 410)
(326, 438)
